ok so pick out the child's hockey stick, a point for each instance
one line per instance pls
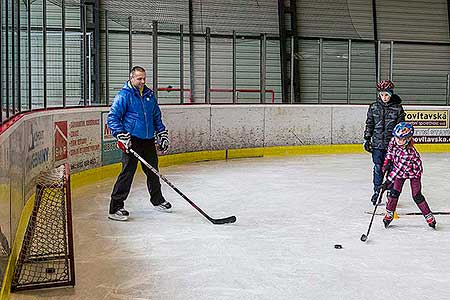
(365, 236)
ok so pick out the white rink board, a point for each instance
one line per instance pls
(347, 124)
(290, 125)
(237, 126)
(188, 126)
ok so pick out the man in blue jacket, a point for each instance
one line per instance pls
(135, 120)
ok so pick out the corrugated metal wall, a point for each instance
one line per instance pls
(165, 11)
(363, 73)
(420, 20)
(343, 19)
(169, 68)
(308, 59)
(118, 61)
(334, 71)
(339, 18)
(273, 70)
(221, 69)
(416, 67)
(199, 57)
(118, 54)
(142, 55)
(419, 72)
(350, 19)
(224, 16)
(397, 20)
(247, 66)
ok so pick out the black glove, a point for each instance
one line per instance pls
(162, 139)
(375, 197)
(124, 141)
(368, 146)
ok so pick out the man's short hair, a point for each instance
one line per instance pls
(136, 69)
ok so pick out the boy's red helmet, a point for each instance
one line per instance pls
(384, 85)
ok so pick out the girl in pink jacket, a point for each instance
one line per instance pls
(403, 162)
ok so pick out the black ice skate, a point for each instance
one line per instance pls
(431, 221)
(386, 223)
(388, 218)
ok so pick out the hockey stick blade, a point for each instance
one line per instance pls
(364, 237)
(227, 220)
(419, 213)
(231, 219)
(412, 213)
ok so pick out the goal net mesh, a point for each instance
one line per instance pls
(46, 257)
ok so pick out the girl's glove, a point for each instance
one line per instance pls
(386, 185)
(387, 166)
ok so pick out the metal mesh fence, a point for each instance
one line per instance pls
(97, 53)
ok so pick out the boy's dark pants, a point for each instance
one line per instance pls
(378, 156)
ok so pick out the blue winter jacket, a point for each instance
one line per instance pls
(136, 114)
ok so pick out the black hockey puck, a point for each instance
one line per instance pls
(338, 246)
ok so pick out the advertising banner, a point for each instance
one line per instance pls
(77, 140)
(60, 140)
(110, 153)
(431, 125)
(37, 140)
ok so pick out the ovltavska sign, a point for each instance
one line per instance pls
(431, 125)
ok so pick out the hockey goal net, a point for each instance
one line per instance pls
(46, 257)
(4, 254)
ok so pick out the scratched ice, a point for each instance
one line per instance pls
(291, 212)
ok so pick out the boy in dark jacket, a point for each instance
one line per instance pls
(382, 116)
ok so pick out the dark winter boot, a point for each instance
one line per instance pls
(431, 220)
(388, 217)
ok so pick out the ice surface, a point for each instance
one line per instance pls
(291, 211)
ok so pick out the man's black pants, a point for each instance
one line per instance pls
(147, 150)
